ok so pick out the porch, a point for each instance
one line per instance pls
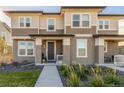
(52, 49)
(109, 49)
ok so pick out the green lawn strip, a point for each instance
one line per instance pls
(19, 79)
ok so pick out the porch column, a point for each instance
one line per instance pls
(99, 50)
(66, 51)
(38, 51)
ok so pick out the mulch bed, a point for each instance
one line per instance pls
(21, 67)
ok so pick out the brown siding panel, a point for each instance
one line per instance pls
(115, 32)
(58, 31)
(24, 32)
(91, 30)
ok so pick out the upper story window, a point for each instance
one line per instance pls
(103, 25)
(51, 25)
(76, 20)
(81, 20)
(25, 21)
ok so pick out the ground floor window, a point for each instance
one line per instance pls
(81, 47)
(25, 48)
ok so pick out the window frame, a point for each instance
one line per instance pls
(26, 53)
(48, 25)
(81, 20)
(78, 48)
(24, 17)
(104, 24)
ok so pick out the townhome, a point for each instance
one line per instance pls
(75, 35)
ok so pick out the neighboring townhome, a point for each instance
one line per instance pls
(75, 35)
(5, 43)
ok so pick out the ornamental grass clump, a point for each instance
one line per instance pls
(64, 70)
(112, 78)
(98, 80)
(74, 79)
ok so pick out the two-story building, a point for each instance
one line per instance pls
(76, 35)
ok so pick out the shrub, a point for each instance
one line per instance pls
(74, 80)
(64, 70)
(112, 79)
(2, 64)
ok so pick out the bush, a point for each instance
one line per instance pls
(112, 79)
(74, 80)
(64, 70)
(15, 64)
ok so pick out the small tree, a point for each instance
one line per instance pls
(3, 49)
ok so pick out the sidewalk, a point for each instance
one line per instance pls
(49, 77)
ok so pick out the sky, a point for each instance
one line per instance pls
(3, 17)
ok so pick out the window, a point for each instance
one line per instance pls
(51, 25)
(105, 46)
(25, 21)
(85, 20)
(81, 20)
(26, 48)
(76, 20)
(81, 47)
(103, 25)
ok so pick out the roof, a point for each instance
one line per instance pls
(110, 14)
(51, 35)
(107, 35)
(77, 7)
(23, 11)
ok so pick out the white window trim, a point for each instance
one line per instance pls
(106, 47)
(80, 20)
(26, 49)
(77, 49)
(24, 21)
(54, 25)
(104, 25)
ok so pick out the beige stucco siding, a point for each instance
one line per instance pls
(59, 21)
(68, 17)
(15, 19)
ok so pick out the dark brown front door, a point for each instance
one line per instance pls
(50, 50)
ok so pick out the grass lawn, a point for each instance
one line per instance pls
(19, 79)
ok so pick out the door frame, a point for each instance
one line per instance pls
(54, 42)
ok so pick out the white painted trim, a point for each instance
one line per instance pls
(83, 35)
(26, 50)
(54, 25)
(104, 25)
(85, 48)
(64, 23)
(21, 37)
(24, 21)
(54, 49)
(81, 20)
(106, 46)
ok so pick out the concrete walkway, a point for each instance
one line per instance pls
(49, 77)
(113, 67)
